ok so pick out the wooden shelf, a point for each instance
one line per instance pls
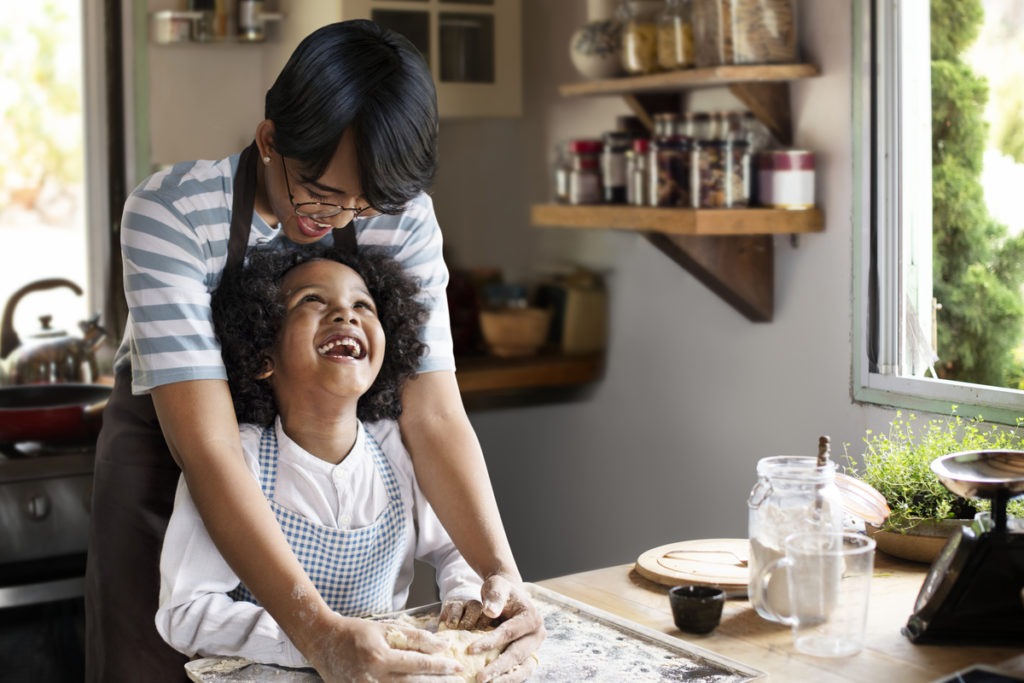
(671, 221)
(731, 251)
(487, 381)
(673, 81)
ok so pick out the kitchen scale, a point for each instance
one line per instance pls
(974, 591)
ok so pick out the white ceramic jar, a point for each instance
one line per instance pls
(785, 179)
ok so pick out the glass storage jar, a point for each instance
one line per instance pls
(744, 31)
(640, 36)
(675, 36)
(613, 166)
(722, 172)
(585, 172)
(671, 179)
(792, 494)
(638, 186)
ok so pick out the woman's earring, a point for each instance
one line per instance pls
(266, 160)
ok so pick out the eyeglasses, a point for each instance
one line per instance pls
(321, 211)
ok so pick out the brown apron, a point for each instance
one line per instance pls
(134, 482)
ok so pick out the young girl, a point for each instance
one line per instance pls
(316, 350)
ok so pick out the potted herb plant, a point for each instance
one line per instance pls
(897, 463)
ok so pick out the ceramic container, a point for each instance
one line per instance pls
(696, 609)
(596, 47)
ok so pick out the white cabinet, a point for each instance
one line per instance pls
(474, 47)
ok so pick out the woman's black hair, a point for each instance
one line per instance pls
(248, 314)
(361, 76)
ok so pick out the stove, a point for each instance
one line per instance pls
(45, 497)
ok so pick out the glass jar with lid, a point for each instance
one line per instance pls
(793, 494)
(585, 172)
(722, 174)
(640, 35)
(675, 35)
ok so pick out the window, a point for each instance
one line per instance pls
(899, 310)
(63, 132)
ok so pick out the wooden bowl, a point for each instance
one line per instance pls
(515, 332)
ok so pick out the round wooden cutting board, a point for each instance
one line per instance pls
(718, 562)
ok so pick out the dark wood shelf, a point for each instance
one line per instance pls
(488, 381)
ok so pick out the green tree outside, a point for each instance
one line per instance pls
(978, 267)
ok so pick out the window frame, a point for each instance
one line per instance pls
(881, 204)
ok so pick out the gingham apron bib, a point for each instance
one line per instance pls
(354, 570)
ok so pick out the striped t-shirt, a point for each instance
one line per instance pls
(174, 238)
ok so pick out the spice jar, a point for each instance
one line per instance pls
(722, 170)
(562, 168)
(792, 494)
(585, 172)
(640, 36)
(613, 166)
(675, 36)
(671, 175)
(638, 187)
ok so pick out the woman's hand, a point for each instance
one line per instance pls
(348, 650)
(519, 634)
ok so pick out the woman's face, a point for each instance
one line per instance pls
(339, 185)
(331, 345)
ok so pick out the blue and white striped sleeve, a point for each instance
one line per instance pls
(173, 238)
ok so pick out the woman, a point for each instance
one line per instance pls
(347, 146)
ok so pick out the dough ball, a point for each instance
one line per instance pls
(457, 641)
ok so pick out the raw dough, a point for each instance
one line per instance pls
(456, 642)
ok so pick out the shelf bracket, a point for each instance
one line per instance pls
(769, 102)
(740, 269)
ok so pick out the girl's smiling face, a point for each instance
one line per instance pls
(331, 344)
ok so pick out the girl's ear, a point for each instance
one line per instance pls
(268, 368)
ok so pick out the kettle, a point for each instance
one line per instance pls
(49, 356)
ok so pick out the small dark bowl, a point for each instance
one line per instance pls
(696, 609)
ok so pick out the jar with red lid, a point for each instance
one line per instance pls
(585, 172)
(785, 179)
(637, 173)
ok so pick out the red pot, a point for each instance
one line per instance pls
(51, 413)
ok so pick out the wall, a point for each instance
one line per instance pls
(664, 448)
(694, 394)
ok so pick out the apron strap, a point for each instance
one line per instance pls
(242, 202)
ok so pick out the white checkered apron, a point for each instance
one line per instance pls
(354, 570)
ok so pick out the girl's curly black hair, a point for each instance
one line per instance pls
(248, 314)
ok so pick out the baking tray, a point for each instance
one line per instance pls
(584, 643)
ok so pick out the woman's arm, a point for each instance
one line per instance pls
(200, 428)
(451, 471)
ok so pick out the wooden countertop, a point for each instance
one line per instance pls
(756, 642)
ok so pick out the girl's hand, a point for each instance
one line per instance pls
(467, 615)
(348, 650)
(519, 634)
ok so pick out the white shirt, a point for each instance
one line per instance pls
(197, 617)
